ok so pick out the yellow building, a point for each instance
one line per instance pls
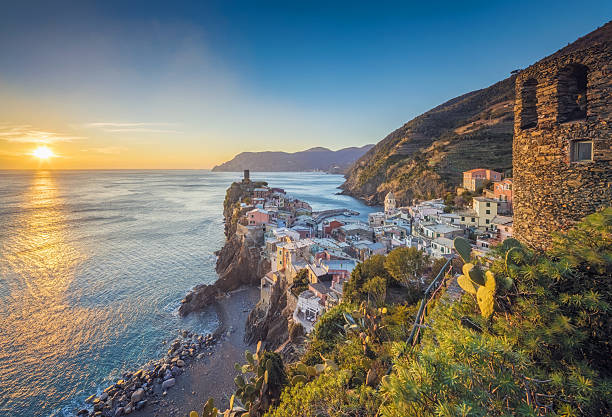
(482, 213)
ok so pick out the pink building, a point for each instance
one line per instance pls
(475, 178)
(503, 190)
(258, 216)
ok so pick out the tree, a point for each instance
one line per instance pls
(407, 265)
(437, 266)
(372, 267)
(376, 288)
(300, 283)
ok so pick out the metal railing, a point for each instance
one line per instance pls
(434, 285)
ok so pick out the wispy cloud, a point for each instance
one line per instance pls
(108, 150)
(142, 127)
(30, 134)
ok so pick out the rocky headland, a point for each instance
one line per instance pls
(239, 262)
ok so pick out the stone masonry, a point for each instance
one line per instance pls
(562, 149)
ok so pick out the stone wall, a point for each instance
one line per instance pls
(551, 190)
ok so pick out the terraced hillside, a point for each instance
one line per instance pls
(425, 157)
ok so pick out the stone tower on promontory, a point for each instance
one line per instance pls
(562, 149)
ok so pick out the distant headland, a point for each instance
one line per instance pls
(313, 159)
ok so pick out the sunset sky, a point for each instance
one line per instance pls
(145, 84)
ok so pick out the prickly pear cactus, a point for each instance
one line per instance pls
(466, 282)
(486, 295)
(263, 388)
(209, 410)
(463, 248)
(482, 285)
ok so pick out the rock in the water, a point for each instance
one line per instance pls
(141, 404)
(104, 396)
(168, 383)
(83, 413)
(138, 395)
(119, 412)
(180, 363)
(167, 375)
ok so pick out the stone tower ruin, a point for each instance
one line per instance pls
(562, 148)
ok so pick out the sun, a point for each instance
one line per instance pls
(43, 152)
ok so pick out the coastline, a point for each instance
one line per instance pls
(212, 376)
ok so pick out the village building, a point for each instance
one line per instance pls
(503, 226)
(390, 204)
(354, 232)
(330, 226)
(377, 219)
(441, 247)
(481, 215)
(435, 230)
(476, 178)
(309, 308)
(262, 192)
(426, 210)
(257, 217)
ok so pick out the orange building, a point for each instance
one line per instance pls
(475, 178)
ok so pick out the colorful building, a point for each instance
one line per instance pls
(475, 178)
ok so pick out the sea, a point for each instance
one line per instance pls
(93, 265)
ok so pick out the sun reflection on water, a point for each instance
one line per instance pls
(39, 324)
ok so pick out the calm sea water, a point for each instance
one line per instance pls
(93, 265)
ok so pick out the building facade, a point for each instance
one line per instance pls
(562, 148)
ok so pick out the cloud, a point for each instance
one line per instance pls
(142, 127)
(30, 134)
(108, 150)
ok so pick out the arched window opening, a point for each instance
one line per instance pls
(572, 93)
(529, 102)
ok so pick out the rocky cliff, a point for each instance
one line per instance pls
(424, 158)
(267, 322)
(321, 159)
(239, 262)
(272, 323)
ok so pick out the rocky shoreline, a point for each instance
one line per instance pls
(136, 390)
(239, 265)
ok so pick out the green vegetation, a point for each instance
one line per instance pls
(300, 282)
(407, 265)
(540, 346)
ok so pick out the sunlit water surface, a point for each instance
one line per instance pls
(93, 265)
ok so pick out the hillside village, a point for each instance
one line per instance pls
(328, 245)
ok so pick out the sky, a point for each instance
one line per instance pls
(189, 84)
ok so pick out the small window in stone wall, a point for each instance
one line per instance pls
(572, 93)
(581, 150)
(529, 104)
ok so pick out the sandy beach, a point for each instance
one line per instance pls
(213, 375)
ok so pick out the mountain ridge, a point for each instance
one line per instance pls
(312, 159)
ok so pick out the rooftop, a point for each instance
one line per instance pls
(504, 220)
(444, 242)
(486, 200)
(441, 228)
